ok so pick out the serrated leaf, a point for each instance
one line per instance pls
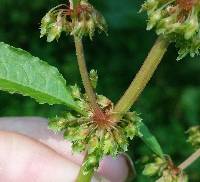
(22, 73)
(149, 139)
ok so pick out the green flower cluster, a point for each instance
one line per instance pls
(170, 176)
(178, 21)
(194, 136)
(96, 137)
(155, 167)
(80, 21)
(165, 169)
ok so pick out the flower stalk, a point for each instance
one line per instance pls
(75, 3)
(142, 78)
(86, 80)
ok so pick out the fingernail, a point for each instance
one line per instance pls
(132, 172)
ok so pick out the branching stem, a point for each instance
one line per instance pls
(85, 78)
(142, 78)
(75, 3)
(189, 160)
(84, 72)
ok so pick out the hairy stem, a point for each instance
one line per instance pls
(190, 160)
(76, 2)
(142, 78)
(85, 78)
(84, 178)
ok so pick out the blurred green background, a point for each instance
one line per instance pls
(170, 103)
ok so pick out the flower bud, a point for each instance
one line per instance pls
(62, 19)
(165, 25)
(83, 105)
(58, 124)
(94, 78)
(100, 21)
(54, 32)
(88, 21)
(76, 133)
(104, 102)
(45, 23)
(194, 136)
(153, 19)
(109, 145)
(90, 28)
(192, 26)
(75, 91)
(79, 146)
(56, 28)
(150, 5)
(121, 140)
(70, 134)
(151, 169)
(177, 21)
(169, 176)
(131, 130)
(93, 144)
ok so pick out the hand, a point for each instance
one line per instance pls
(30, 152)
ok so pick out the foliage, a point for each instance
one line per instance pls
(149, 139)
(170, 102)
(27, 75)
(96, 131)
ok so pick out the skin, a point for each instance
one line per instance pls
(30, 152)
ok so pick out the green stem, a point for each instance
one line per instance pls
(142, 78)
(84, 72)
(76, 3)
(190, 160)
(84, 178)
(85, 78)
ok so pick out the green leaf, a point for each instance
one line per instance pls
(24, 74)
(149, 139)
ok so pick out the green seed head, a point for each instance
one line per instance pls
(99, 136)
(176, 20)
(78, 21)
(170, 176)
(87, 21)
(165, 170)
